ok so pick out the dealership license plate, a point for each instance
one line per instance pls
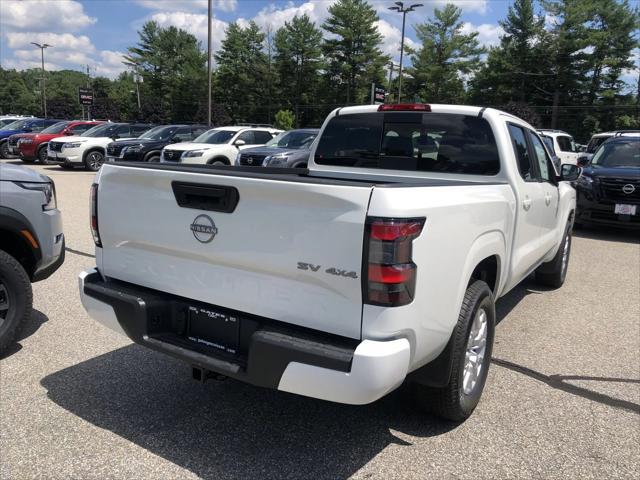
(214, 329)
(52, 154)
(624, 209)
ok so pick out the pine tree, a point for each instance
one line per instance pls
(298, 61)
(353, 55)
(445, 57)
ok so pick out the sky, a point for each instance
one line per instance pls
(98, 32)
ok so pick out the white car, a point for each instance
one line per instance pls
(563, 145)
(89, 149)
(218, 146)
(377, 266)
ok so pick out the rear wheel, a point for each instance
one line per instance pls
(4, 150)
(16, 299)
(154, 158)
(471, 357)
(554, 272)
(42, 155)
(94, 160)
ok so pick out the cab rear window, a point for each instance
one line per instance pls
(428, 142)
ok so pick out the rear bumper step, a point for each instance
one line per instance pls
(270, 354)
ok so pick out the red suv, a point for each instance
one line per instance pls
(33, 146)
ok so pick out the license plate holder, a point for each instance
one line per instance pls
(214, 329)
(625, 209)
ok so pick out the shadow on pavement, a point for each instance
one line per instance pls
(228, 429)
(608, 234)
(527, 287)
(25, 331)
(560, 382)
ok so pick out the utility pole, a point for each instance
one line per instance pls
(400, 8)
(44, 89)
(391, 67)
(88, 86)
(209, 14)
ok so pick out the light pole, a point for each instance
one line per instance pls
(44, 90)
(399, 7)
(391, 67)
(209, 13)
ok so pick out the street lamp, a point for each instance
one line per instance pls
(391, 67)
(44, 91)
(400, 8)
(209, 14)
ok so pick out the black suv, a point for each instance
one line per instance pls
(609, 188)
(147, 147)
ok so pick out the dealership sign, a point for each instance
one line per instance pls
(85, 96)
(378, 94)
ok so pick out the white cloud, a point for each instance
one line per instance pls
(110, 64)
(188, 5)
(274, 17)
(194, 23)
(44, 15)
(488, 34)
(391, 41)
(61, 41)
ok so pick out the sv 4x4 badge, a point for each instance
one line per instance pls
(331, 271)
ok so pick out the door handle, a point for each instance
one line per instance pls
(547, 199)
(526, 203)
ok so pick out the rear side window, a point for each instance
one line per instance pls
(137, 130)
(262, 136)
(428, 142)
(566, 143)
(521, 151)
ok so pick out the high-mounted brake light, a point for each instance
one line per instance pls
(391, 273)
(93, 214)
(404, 107)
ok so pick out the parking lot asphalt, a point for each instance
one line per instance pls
(562, 399)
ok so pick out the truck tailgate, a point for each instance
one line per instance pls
(290, 250)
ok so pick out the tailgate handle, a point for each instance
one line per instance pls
(215, 198)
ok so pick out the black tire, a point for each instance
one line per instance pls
(457, 401)
(553, 273)
(153, 158)
(16, 296)
(93, 160)
(4, 150)
(218, 162)
(42, 155)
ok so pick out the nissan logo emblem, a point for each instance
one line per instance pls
(203, 228)
(250, 160)
(628, 189)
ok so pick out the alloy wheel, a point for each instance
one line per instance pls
(5, 303)
(475, 352)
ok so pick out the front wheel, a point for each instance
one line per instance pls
(94, 161)
(553, 273)
(42, 155)
(16, 299)
(4, 150)
(471, 356)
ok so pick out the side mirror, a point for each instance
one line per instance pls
(583, 161)
(239, 143)
(570, 173)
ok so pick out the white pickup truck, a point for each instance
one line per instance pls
(378, 265)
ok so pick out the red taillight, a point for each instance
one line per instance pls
(395, 229)
(391, 273)
(93, 214)
(404, 107)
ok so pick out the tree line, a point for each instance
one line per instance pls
(562, 72)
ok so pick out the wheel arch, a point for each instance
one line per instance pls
(485, 261)
(223, 158)
(14, 241)
(152, 153)
(93, 149)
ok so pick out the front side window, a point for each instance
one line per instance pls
(566, 143)
(247, 137)
(426, 142)
(81, 128)
(541, 157)
(299, 139)
(102, 130)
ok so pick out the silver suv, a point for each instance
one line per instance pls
(31, 243)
